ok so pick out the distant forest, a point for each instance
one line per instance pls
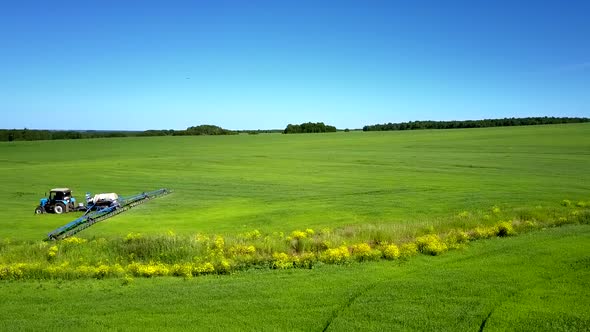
(506, 122)
(8, 135)
(37, 135)
(309, 127)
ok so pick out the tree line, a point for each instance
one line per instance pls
(9, 135)
(506, 122)
(309, 127)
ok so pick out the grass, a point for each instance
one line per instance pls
(351, 197)
(535, 281)
(274, 183)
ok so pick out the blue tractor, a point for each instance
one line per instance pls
(60, 201)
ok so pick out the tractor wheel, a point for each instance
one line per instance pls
(59, 208)
(39, 210)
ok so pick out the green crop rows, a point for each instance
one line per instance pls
(340, 194)
(286, 182)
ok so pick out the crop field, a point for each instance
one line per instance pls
(286, 182)
(360, 230)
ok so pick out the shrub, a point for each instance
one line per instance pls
(581, 204)
(562, 221)
(224, 266)
(496, 210)
(566, 203)
(320, 244)
(117, 270)
(61, 271)
(102, 271)
(482, 233)
(218, 244)
(13, 271)
(298, 235)
(182, 270)
(430, 245)
(305, 260)
(526, 225)
(241, 249)
(52, 252)
(281, 261)
(363, 252)
(127, 280)
(338, 255)
(205, 268)
(408, 249)
(148, 270)
(391, 251)
(456, 238)
(504, 228)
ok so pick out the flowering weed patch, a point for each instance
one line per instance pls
(338, 255)
(431, 245)
(52, 252)
(391, 251)
(505, 228)
(408, 250)
(363, 252)
(138, 255)
(282, 261)
(74, 240)
(456, 239)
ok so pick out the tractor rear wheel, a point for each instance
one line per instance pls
(59, 208)
(39, 210)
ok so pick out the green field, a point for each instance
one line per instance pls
(285, 182)
(376, 188)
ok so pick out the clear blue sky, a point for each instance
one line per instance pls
(263, 64)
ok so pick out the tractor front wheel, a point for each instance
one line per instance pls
(59, 208)
(39, 210)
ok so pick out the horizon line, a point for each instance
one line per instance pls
(276, 129)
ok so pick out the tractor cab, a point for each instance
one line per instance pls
(59, 201)
(60, 194)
